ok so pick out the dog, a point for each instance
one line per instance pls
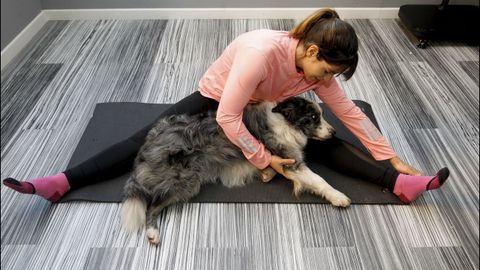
(182, 152)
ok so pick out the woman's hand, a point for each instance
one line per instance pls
(278, 162)
(403, 167)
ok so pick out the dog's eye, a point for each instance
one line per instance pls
(314, 116)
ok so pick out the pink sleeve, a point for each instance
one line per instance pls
(355, 120)
(249, 68)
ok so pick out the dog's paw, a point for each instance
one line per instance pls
(268, 174)
(338, 199)
(153, 236)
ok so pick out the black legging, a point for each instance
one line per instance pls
(348, 159)
(118, 158)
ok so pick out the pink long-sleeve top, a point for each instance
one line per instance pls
(260, 65)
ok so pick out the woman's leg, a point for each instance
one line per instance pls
(346, 158)
(113, 161)
(118, 159)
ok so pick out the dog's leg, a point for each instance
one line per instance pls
(153, 211)
(268, 174)
(304, 178)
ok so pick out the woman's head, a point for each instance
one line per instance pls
(331, 39)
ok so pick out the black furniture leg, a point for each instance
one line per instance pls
(422, 44)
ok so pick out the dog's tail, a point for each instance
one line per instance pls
(134, 207)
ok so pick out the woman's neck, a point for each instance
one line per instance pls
(299, 56)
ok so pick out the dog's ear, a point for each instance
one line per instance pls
(286, 109)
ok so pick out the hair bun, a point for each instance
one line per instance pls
(329, 14)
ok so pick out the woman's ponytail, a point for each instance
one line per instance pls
(335, 38)
(302, 28)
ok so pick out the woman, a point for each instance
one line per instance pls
(269, 65)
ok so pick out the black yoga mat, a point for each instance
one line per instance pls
(112, 122)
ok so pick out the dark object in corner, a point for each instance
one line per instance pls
(441, 22)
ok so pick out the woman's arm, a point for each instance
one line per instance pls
(360, 125)
(249, 68)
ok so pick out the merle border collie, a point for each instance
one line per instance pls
(182, 152)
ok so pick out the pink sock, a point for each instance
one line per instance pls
(51, 188)
(408, 188)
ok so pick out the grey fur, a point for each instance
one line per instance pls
(181, 153)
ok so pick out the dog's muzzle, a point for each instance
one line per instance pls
(332, 131)
(324, 135)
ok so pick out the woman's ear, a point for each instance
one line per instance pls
(312, 50)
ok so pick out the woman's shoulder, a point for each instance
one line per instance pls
(264, 34)
(266, 41)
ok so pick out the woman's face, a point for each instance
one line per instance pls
(316, 70)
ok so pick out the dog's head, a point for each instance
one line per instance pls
(306, 116)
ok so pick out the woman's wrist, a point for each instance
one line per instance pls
(403, 167)
(395, 160)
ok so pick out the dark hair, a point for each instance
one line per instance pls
(335, 38)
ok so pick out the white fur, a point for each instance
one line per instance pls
(133, 215)
(305, 179)
(238, 174)
(153, 236)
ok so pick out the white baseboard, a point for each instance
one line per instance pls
(20, 41)
(213, 13)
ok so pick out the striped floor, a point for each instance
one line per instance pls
(426, 102)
